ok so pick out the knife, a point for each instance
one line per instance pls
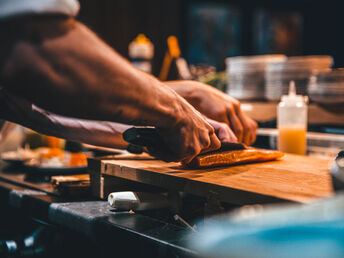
(150, 137)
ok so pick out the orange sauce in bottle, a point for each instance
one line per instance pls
(292, 139)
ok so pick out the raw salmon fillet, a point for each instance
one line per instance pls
(232, 157)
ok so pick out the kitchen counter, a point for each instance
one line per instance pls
(117, 232)
(112, 231)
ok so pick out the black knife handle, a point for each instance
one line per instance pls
(144, 136)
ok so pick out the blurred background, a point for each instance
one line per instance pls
(249, 49)
(209, 31)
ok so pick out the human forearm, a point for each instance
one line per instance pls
(63, 67)
(69, 66)
(98, 133)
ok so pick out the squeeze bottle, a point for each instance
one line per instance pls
(292, 122)
(141, 52)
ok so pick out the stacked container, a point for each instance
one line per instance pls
(298, 69)
(246, 75)
(327, 88)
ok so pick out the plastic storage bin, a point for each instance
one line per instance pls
(298, 69)
(327, 88)
(246, 75)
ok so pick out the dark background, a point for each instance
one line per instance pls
(118, 22)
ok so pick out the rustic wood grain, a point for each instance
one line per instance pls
(294, 178)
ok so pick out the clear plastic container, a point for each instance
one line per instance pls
(246, 75)
(292, 122)
(327, 88)
(299, 69)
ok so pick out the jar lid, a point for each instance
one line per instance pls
(252, 62)
(315, 62)
(326, 84)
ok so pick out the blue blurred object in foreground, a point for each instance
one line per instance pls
(312, 230)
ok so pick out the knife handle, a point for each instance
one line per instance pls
(144, 136)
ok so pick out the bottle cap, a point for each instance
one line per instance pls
(292, 98)
(142, 39)
(141, 47)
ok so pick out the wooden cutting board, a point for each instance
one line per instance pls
(294, 178)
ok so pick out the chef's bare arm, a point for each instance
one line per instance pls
(100, 133)
(60, 65)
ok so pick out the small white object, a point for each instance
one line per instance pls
(119, 197)
(137, 201)
(11, 246)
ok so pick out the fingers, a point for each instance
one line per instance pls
(202, 135)
(207, 143)
(235, 123)
(222, 131)
(214, 144)
(186, 142)
(226, 110)
(250, 128)
(191, 155)
(225, 134)
(247, 131)
(254, 127)
(243, 127)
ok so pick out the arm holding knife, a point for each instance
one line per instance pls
(100, 133)
(60, 65)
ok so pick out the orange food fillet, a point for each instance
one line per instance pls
(52, 153)
(78, 159)
(233, 157)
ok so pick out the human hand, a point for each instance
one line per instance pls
(189, 137)
(154, 143)
(222, 131)
(218, 106)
